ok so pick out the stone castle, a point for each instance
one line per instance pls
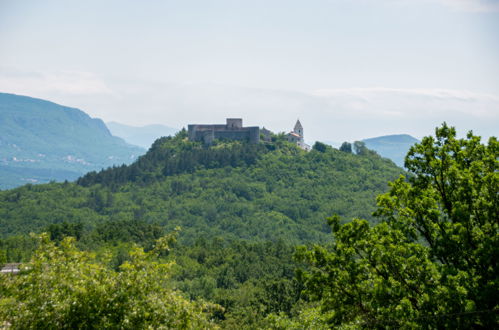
(234, 130)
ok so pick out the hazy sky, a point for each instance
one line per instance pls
(349, 69)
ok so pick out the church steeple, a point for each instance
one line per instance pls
(298, 128)
(296, 136)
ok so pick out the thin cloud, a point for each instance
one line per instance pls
(344, 114)
(380, 111)
(434, 93)
(438, 100)
(472, 5)
(61, 82)
(329, 114)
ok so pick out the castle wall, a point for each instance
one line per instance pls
(254, 134)
(233, 135)
(233, 130)
(208, 136)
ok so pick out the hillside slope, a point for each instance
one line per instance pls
(394, 147)
(42, 141)
(232, 190)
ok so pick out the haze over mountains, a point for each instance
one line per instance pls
(394, 147)
(143, 136)
(42, 141)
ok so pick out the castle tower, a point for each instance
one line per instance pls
(234, 123)
(298, 128)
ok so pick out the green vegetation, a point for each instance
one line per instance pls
(233, 190)
(249, 280)
(64, 288)
(432, 262)
(41, 141)
(346, 147)
(428, 259)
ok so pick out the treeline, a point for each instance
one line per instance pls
(265, 192)
(237, 204)
(430, 261)
(170, 156)
(247, 280)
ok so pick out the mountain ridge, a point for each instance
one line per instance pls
(37, 134)
(394, 146)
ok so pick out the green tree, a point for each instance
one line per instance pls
(64, 288)
(319, 146)
(58, 231)
(432, 261)
(346, 147)
(3, 257)
(361, 149)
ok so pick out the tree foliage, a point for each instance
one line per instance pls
(232, 189)
(249, 280)
(429, 262)
(432, 262)
(319, 146)
(64, 288)
(346, 147)
(170, 156)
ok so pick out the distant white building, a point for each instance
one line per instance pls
(12, 268)
(296, 136)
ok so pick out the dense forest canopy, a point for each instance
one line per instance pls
(433, 260)
(236, 190)
(426, 259)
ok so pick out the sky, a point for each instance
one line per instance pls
(348, 69)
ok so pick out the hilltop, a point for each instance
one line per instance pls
(394, 147)
(42, 141)
(232, 189)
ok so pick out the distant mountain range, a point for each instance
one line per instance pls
(394, 147)
(140, 136)
(41, 141)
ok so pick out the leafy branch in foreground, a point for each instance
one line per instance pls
(65, 288)
(432, 262)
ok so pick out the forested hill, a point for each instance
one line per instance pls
(242, 209)
(42, 141)
(233, 190)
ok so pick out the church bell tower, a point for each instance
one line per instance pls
(298, 128)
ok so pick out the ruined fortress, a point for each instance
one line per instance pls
(234, 130)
